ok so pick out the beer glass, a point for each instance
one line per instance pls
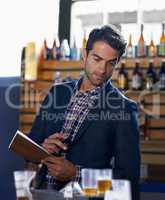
(104, 183)
(22, 181)
(89, 181)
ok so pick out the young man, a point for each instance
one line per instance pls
(89, 122)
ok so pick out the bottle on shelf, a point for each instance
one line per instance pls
(137, 77)
(82, 74)
(58, 78)
(74, 53)
(122, 77)
(142, 121)
(130, 48)
(84, 43)
(54, 50)
(151, 76)
(161, 47)
(47, 53)
(152, 48)
(23, 63)
(58, 51)
(67, 78)
(141, 46)
(31, 62)
(162, 76)
(65, 50)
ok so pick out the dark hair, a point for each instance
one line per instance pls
(109, 34)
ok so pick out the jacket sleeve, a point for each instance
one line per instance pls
(127, 151)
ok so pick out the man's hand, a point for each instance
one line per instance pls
(60, 168)
(53, 143)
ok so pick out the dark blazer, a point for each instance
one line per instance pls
(108, 137)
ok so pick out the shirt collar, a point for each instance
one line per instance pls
(94, 91)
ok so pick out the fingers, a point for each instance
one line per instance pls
(62, 136)
(53, 161)
(54, 142)
(51, 148)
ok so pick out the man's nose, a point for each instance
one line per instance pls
(102, 68)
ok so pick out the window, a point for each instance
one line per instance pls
(23, 21)
(125, 14)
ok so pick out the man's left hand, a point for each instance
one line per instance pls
(60, 168)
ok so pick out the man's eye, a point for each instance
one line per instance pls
(97, 59)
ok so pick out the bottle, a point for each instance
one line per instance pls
(161, 47)
(137, 77)
(31, 64)
(151, 76)
(151, 48)
(54, 50)
(23, 63)
(58, 78)
(130, 50)
(74, 51)
(162, 76)
(84, 42)
(47, 53)
(82, 74)
(122, 77)
(142, 121)
(67, 78)
(141, 47)
(65, 50)
(58, 51)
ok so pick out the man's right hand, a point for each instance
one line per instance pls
(54, 143)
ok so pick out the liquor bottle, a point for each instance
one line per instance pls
(151, 48)
(65, 50)
(58, 50)
(151, 76)
(162, 76)
(74, 54)
(137, 77)
(54, 50)
(82, 74)
(141, 46)
(67, 78)
(142, 121)
(161, 47)
(84, 42)
(23, 63)
(31, 66)
(130, 49)
(47, 53)
(58, 78)
(122, 77)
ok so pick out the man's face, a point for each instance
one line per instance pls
(100, 63)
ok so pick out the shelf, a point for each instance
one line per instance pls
(49, 64)
(152, 152)
(153, 146)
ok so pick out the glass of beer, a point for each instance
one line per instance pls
(89, 182)
(104, 183)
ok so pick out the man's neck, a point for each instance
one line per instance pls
(86, 85)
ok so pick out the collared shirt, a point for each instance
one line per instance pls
(76, 112)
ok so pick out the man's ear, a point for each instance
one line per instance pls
(84, 54)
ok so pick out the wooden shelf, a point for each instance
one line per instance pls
(60, 64)
(153, 152)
